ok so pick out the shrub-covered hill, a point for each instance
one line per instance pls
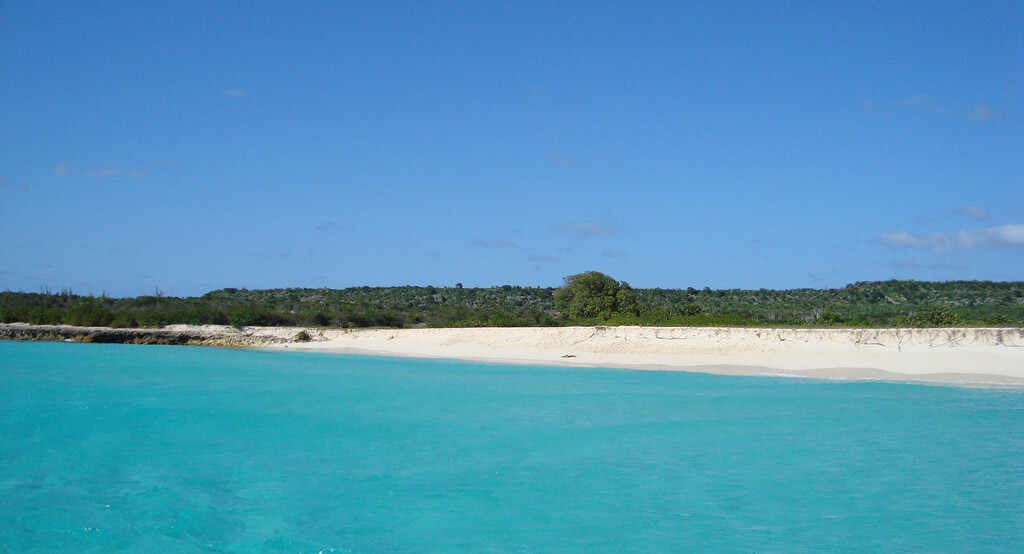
(406, 306)
(865, 304)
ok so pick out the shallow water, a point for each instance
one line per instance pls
(107, 448)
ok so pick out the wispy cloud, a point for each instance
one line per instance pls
(924, 103)
(980, 113)
(268, 254)
(497, 243)
(973, 212)
(586, 229)
(976, 113)
(333, 226)
(614, 254)
(563, 160)
(234, 93)
(66, 170)
(541, 258)
(114, 172)
(8, 184)
(1003, 236)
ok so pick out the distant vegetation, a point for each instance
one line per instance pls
(588, 298)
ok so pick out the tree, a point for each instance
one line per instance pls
(625, 300)
(593, 294)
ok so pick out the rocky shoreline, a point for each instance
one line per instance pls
(207, 335)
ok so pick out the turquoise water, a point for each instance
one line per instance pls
(110, 448)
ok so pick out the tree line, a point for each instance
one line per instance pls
(589, 298)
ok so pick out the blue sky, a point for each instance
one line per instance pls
(775, 144)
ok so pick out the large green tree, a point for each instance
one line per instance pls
(593, 294)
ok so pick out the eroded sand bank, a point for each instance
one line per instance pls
(955, 355)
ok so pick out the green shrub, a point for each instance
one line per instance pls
(829, 318)
(593, 294)
(938, 317)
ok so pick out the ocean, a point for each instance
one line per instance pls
(120, 448)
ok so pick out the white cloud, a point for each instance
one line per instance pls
(235, 93)
(974, 212)
(541, 258)
(1004, 236)
(61, 170)
(585, 229)
(615, 254)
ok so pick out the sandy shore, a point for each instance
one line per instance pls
(949, 355)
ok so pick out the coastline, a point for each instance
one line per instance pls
(951, 355)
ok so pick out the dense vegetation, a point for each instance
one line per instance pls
(598, 299)
(592, 295)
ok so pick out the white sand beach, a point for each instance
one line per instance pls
(949, 355)
(959, 355)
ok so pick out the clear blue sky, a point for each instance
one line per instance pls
(774, 144)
